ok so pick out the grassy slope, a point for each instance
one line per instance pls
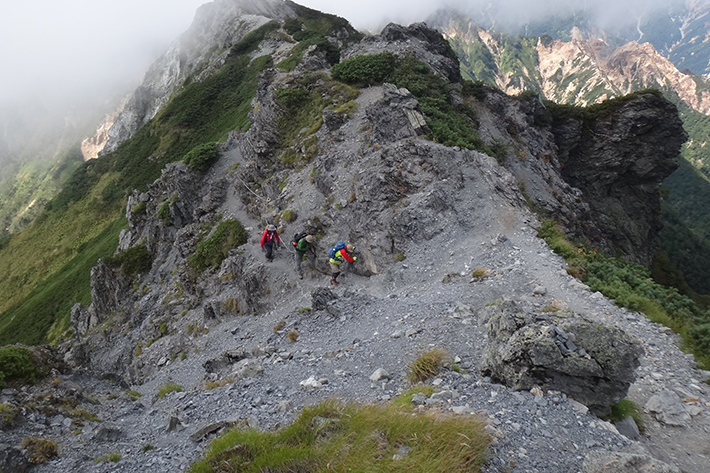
(48, 263)
(55, 254)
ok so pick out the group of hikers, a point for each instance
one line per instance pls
(305, 247)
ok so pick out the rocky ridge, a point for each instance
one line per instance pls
(582, 71)
(423, 216)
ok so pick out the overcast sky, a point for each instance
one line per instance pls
(69, 47)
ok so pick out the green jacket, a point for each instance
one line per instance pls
(303, 246)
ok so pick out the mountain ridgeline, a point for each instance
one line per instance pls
(268, 91)
(146, 268)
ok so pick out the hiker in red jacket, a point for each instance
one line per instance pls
(341, 255)
(268, 238)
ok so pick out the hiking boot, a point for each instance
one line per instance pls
(334, 282)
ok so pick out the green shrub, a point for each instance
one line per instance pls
(139, 209)
(8, 412)
(626, 408)
(427, 365)
(291, 97)
(164, 211)
(169, 388)
(292, 25)
(211, 252)
(365, 70)
(133, 261)
(16, 364)
(201, 157)
(40, 450)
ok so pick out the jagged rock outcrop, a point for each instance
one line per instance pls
(598, 172)
(618, 160)
(593, 363)
(418, 40)
(396, 116)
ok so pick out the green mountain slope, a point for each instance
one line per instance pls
(46, 265)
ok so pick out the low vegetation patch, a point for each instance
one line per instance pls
(365, 70)
(133, 261)
(17, 366)
(111, 457)
(304, 98)
(134, 395)
(627, 408)
(630, 285)
(201, 157)
(451, 123)
(334, 436)
(211, 252)
(427, 365)
(169, 388)
(40, 450)
(479, 273)
(8, 412)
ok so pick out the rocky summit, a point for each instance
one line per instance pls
(178, 344)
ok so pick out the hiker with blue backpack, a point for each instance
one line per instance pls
(304, 246)
(339, 254)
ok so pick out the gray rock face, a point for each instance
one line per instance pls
(396, 116)
(618, 462)
(527, 350)
(628, 428)
(598, 176)
(618, 161)
(668, 408)
(13, 459)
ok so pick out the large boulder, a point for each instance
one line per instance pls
(621, 462)
(592, 362)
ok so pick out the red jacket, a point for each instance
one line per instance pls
(344, 253)
(270, 236)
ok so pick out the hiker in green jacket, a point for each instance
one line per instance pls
(306, 247)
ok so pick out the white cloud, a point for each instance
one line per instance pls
(71, 48)
(63, 48)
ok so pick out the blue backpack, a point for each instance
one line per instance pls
(338, 246)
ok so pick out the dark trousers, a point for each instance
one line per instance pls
(269, 246)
